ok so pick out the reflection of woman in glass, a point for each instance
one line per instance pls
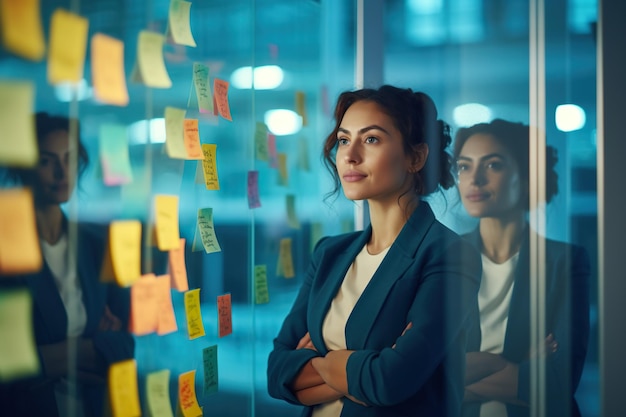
(378, 327)
(493, 180)
(79, 322)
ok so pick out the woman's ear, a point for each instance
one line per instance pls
(419, 154)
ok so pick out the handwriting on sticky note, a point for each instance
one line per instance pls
(166, 318)
(123, 390)
(125, 250)
(18, 143)
(68, 46)
(144, 306)
(22, 32)
(179, 22)
(18, 354)
(224, 316)
(261, 293)
(187, 395)
(150, 67)
(158, 394)
(192, 139)
(209, 360)
(292, 218)
(260, 142)
(283, 174)
(19, 242)
(286, 258)
(209, 166)
(195, 327)
(166, 222)
(203, 87)
(107, 70)
(178, 268)
(114, 157)
(206, 230)
(220, 93)
(175, 133)
(254, 200)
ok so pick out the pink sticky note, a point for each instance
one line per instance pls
(225, 323)
(271, 147)
(220, 93)
(253, 189)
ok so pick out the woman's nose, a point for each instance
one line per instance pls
(479, 177)
(60, 171)
(352, 155)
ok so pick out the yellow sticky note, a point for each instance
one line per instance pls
(150, 67)
(166, 222)
(178, 268)
(292, 218)
(261, 293)
(205, 231)
(187, 400)
(283, 175)
(301, 106)
(203, 88)
(285, 259)
(107, 70)
(179, 22)
(220, 95)
(18, 145)
(68, 45)
(19, 242)
(158, 394)
(192, 139)
(174, 133)
(195, 327)
(123, 391)
(125, 251)
(18, 355)
(209, 166)
(22, 33)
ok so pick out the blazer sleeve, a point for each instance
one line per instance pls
(285, 362)
(450, 271)
(570, 327)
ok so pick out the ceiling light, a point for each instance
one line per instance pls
(138, 132)
(266, 77)
(283, 122)
(569, 117)
(470, 114)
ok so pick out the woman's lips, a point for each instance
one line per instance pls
(353, 176)
(476, 197)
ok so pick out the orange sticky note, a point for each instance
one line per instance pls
(166, 222)
(220, 94)
(177, 267)
(187, 400)
(107, 70)
(19, 241)
(195, 327)
(224, 317)
(166, 318)
(68, 46)
(123, 254)
(22, 32)
(144, 306)
(123, 390)
(192, 139)
(209, 166)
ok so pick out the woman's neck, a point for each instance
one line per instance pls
(50, 223)
(502, 236)
(387, 221)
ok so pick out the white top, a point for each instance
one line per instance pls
(358, 276)
(494, 300)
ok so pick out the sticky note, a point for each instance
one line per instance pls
(19, 242)
(175, 133)
(209, 360)
(179, 22)
(209, 166)
(203, 87)
(260, 142)
(68, 46)
(144, 306)
(254, 200)
(150, 67)
(123, 254)
(187, 400)
(178, 268)
(283, 175)
(18, 143)
(195, 327)
(166, 222)
(292, 217)
(123, 391)
(192, 139)
(158, 394)
(285, 259)
(114, 157)
(271, 148)
(107, 70)
(18, 355)
(303, 155)
(205, 231)
(166, 322)
(220, 93)
(22, 32)
(224, 316)
(261, 292)
(301, 107)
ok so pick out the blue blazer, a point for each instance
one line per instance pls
(429, 277)
(35, 396)
(567, 318)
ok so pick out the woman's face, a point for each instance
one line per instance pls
(488, 178)
(50, 180)
(370, 158)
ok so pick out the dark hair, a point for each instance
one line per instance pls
(44, 125)
(515, 137)
(415, 116)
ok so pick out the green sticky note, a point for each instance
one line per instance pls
(203, 88)
(261, 293)
(18, 146)
(262, 152)
(114, 157)
(158, 394)
(209, 359)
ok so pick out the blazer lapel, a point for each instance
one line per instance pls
(48, 303)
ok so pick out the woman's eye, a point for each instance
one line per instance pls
(462, 167)
(371, 139)
(495, 165)
(342, 141)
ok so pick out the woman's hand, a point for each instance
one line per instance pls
(545, 349)
(306, 343)
(408, 326)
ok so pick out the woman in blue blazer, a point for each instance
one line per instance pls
(492, 168)
(379, 325)
(79, 322)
